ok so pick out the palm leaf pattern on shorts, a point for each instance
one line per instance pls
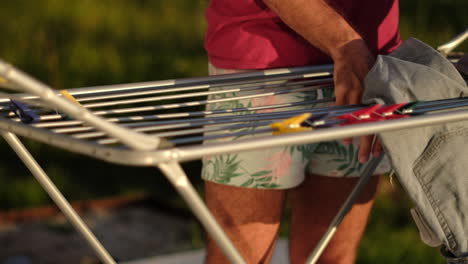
(231, 104)
(224, 168)
(306, 150)
(346, 156)
(328, 92)
(260, 179)
(307, 95)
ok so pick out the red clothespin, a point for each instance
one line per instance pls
(388, 112)
(361, 116)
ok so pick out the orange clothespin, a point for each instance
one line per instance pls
(70, 97)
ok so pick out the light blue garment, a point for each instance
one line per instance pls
(431, 162)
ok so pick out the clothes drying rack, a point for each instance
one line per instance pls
(161, 124)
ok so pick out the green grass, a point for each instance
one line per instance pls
(434, 21)
(391, 236)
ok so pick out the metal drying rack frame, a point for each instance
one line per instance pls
(158, 124)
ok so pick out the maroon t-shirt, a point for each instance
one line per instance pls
(246, 34)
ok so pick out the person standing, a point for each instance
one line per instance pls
(253, 35)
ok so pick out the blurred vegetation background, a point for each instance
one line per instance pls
(79, 43)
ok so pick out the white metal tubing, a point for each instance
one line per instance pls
(141, 93)
(187, 84)
(58, 117)
(192, 103)
(201, 82)
(180, 105)
(25, 83)
(186, 140)
(344, 209)
(204, 82)
(329, 121)
(436, 107)
(212, 90)
(174, 115)
(184, 153)
(192, 131)
(148, 127)
(191, 95)
(274, 116)
(166, 124)
(225, 79)
(452, 44)
(179, 179)
(170, 106)
(57, 196)
(218, 136)
(171, 124)
(165, 116)
(196, 140)
(118, 155)
(20, 95)
(317, 135)
(426, 106)
(256, 122)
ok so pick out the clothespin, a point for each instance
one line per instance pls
(290, 125)
(23, 112)
(361, 116)
(323, 120)
(407, 108)
(70, 97)
(389, 111)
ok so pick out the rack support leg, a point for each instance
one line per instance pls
(365, 176)
(179, 179)
(57, 196)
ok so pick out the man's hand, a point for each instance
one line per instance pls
(326, 29)
(352, 63)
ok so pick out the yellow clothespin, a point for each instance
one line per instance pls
(68, 96)
(3, 80)
(291, 125)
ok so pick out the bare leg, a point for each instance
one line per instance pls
(250, 217)
(314, 204)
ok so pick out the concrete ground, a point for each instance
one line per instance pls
(131, 231)
(280, 256)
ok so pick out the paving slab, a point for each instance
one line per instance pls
(280, 256)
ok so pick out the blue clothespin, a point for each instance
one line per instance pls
(23, 112)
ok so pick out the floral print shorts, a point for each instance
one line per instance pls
(281, 167)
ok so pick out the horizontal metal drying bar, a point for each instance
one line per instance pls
(192, 127)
